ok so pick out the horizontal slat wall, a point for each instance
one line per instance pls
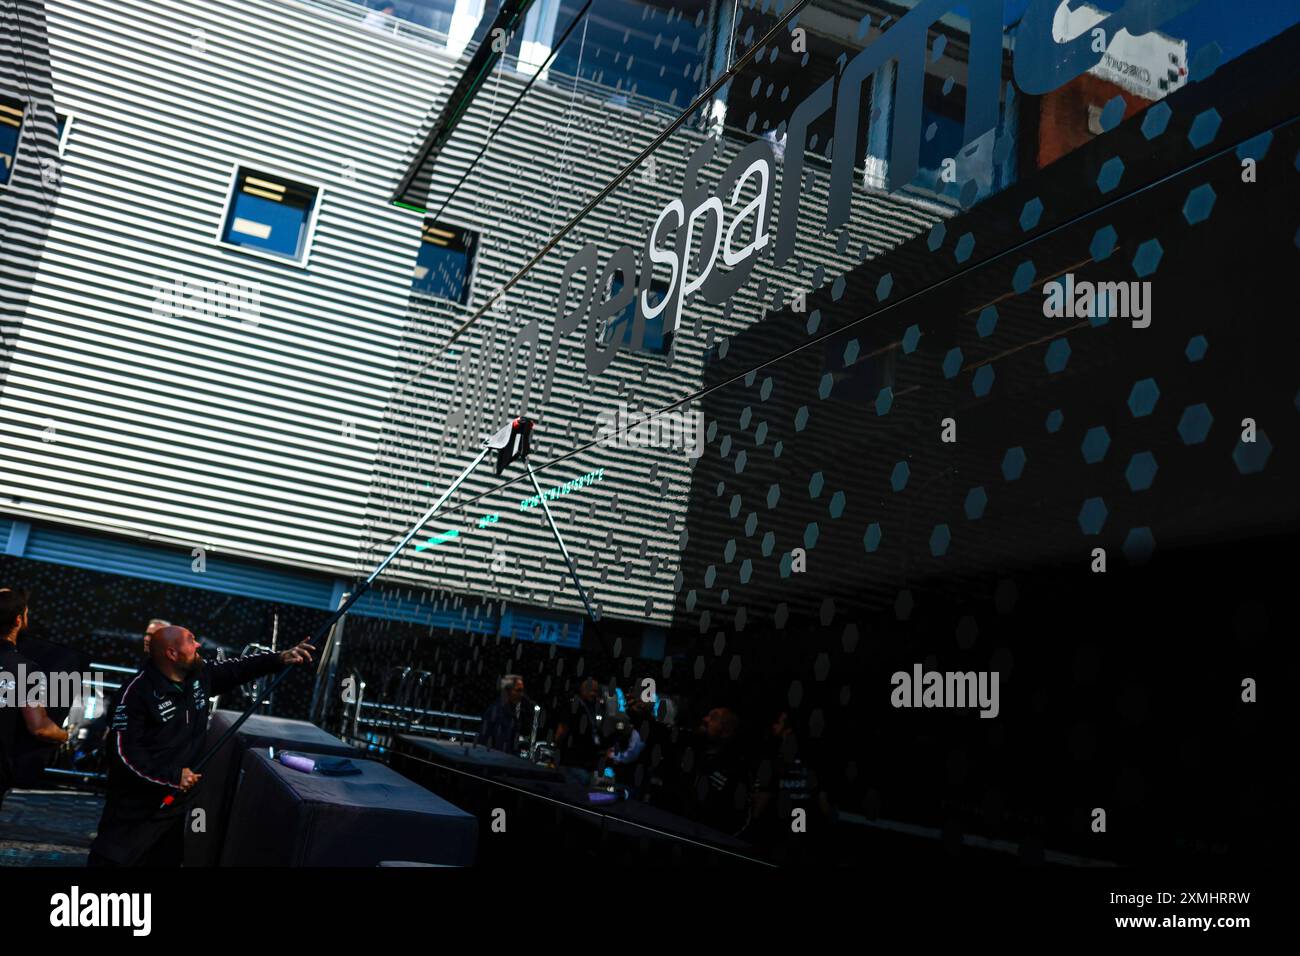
(28, 200)
(625, 531)
(200, 430)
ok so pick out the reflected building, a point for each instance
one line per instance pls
(248, 352)
(938, 472)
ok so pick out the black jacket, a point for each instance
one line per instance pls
(503, 724)
(582, 747)
(157, 729)
(12, 727)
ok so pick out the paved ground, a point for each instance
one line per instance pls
(48, 827)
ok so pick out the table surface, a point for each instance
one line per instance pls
(376, 786)
(477, 758)
(634, 811)
(281, 732)
(551, 784)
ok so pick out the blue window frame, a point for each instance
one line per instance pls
(11, 134)
(270, 214)
(444, 266)
(621, 327)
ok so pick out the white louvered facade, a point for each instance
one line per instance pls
(271, 439)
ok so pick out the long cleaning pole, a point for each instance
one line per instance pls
(342, 610)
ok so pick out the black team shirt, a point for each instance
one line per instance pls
(13, 667)
(157, 729)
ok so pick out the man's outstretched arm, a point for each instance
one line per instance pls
(229, 674)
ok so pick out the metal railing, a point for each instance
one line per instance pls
(114, 668)
(401, 706)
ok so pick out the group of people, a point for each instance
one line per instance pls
(155, 735)
(760, 786)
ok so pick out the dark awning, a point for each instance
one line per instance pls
(413, 188)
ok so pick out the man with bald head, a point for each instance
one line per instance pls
(155, 737)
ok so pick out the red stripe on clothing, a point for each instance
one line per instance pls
(121, 753)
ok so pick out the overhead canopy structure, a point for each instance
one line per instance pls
(413, 188)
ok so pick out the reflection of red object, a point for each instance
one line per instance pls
(1063, 114)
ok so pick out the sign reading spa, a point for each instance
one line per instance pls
(733, 225)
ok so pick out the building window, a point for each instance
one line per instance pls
(434, 14)
(656, 50)
(11, 135)
(537, 36)
(270, 215)
(621, 328)
(444, 266)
